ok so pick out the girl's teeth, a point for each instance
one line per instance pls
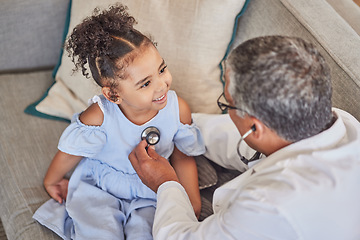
(158, 99)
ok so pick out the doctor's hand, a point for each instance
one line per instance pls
(152, 169)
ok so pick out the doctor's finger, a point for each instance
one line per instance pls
(154, 155)
(138, 153)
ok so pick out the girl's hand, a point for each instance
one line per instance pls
(55, 183)
(59, 190)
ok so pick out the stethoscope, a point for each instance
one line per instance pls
(256, 156)
(151, 135)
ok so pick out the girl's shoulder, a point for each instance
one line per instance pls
(180, 106)
(184, 111)
(92, 116)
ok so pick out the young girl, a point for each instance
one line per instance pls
(105, 199)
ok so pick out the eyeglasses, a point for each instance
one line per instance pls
(224, 106)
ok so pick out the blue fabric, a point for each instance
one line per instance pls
(105, 195)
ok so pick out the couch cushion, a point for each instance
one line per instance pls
(27, 145)
(34, 43)
(192, 36)
(349, 10)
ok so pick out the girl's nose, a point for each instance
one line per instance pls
(161, 85)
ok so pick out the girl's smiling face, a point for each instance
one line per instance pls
(144, 91)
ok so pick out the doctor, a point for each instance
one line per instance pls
(307, 187)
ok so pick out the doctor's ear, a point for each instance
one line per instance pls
(258, 127)
(110, 95)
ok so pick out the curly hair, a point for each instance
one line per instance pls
(284, 82)
(106, 41)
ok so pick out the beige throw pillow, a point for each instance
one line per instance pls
(192, 36)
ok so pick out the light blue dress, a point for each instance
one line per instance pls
(106, 198)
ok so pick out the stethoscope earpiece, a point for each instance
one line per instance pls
(256, 155)
(253, 128)
(151, 135)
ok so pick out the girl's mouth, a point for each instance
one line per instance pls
(160, 99)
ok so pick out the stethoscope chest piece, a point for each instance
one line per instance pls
(151, 135)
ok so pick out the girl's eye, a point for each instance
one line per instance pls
(145, 84)
(163, 69)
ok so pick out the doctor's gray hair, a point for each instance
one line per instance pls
(284, 82)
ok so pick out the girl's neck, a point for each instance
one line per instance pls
(140, 117)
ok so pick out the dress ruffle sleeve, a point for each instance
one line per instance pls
(82, 140)
(188, 140)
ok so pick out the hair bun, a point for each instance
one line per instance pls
(93, 37)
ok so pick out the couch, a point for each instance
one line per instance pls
(30, 42)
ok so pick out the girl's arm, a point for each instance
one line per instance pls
(186, 171)
(55, 183)
(185, 166)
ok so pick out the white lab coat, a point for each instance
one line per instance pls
(307, 190)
